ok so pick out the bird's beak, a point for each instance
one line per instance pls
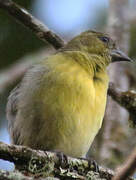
(118, 55)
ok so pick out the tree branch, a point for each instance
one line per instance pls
(15, 72)
(39, 163)
(12, 74)
(15, 175)
(128, 168)
(126, 99)
(24, 17)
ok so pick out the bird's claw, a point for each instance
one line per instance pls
(93, 165)
(63, 159)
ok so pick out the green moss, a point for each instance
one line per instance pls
(41, 167)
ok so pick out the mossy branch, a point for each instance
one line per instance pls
(38, 163)
(15, 175)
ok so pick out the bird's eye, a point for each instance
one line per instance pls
(104, 39)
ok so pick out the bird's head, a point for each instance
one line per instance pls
(99, 44)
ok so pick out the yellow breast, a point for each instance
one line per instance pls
(66, 104)
(76, 108)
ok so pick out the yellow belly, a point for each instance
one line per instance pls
(66, 109)
(75, 113)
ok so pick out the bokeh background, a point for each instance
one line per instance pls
(19, 48)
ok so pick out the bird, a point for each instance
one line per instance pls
(60, 103)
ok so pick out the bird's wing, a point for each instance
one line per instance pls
(12, 108)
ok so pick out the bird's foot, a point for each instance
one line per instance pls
(62, 159)
(92, 164)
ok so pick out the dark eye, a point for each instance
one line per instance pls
(104, 39)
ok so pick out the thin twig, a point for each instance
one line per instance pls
(24, 17)
(128, 168)
(126, 99)
(11, 75)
